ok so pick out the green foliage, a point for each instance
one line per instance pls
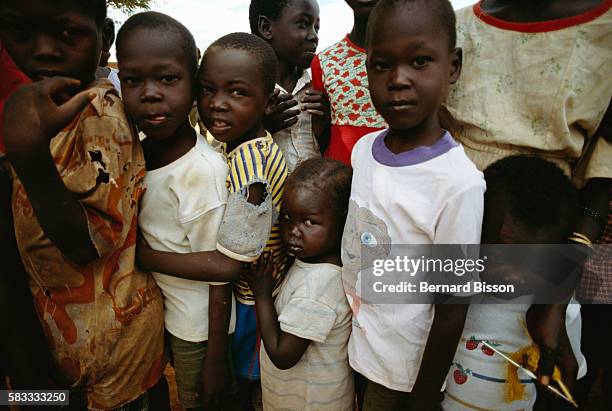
(129, 6)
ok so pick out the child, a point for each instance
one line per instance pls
(528, 201)
(76, 187)
(103, 71)
(412, 184)
(340, 72)
(547, 96)
(304, 359)
(236, 79)
(182, 209)
(291, 27)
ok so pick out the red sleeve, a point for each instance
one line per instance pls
(317, 74)
(10, 79)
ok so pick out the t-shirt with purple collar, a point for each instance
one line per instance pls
(428, 195)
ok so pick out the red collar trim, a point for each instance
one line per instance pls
(542, 26)
(356, 47)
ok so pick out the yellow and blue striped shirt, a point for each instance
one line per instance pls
(260, 160)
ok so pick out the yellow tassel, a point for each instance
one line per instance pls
(528, 357)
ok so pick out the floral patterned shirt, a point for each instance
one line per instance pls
(537, 88)
(340, 71)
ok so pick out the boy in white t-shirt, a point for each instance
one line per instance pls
(412, 184)
(184, 204)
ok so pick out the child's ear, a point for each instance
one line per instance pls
(456, 63)
(264, 27)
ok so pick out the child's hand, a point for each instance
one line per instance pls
(317, 104)
(36, 112)
(546, 326)
(260, 277)
(281, 115)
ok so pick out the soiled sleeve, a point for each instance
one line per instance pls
(246, 227)
(101, 162)
(307, 318)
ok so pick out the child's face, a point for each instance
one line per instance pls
(499, 226)
(156, 81)
(51, 38)
(361, 8)
(293, 36)
(410, 67)
(233, 100)
(309, 226)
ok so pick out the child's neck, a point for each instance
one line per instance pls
(159, 153)
(357, 35)
(288, 75)
(425, 134)
(254, 133)
(332, 258)
(526, 11)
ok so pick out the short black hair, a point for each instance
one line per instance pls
(536, 191)
(328, 176)
(155, 20)
(108, 33)
(443, 12)
(272, 9)
(93, 8)
(262, 52)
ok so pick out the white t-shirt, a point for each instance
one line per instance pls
(311, 305)
(298, 142)
(428, 195)
(481, 379)
(181, 211)
(113, 76)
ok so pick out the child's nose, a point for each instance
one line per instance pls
(400, 78)
(46, 48)
(150, 92)
(295, 231)
(217, 103)
(313, 36)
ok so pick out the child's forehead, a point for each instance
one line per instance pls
(233, 63)
(45, 12)
(301, 7)
(162, 39)
(305, 194)
(407, 27)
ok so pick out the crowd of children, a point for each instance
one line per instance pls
(237, 254)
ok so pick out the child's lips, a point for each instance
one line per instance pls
(155, 119)
(293, 248)
(218, 125)
(401, 105)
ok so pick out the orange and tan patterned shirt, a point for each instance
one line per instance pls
(104, 320)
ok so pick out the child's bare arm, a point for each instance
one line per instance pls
(546, 326)
(200, 266)
(23, 349)
(317, 104)
(284, 349)
(439, 352)
(211, 266)
(33, 117)
(595, 195)
(215, 367)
